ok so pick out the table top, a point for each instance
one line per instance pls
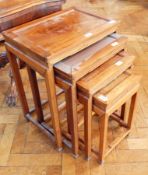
(81, 63)
(123, 85)
(57, 36)
(106, 73)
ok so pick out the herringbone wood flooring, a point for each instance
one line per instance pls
(24, 150)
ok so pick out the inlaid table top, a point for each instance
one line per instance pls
(57, 36)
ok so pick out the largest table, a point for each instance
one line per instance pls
(46, 41)
(17, 12)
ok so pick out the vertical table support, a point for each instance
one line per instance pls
(71, 108)
(18, 81)
(125, 111)
(88, 126)
(36, 94)
(132, 110)
(103, 136)
(86, 100)
(51, 91)
(71, 100)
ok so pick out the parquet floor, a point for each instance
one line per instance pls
(24, 150)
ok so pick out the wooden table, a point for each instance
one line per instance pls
(17, 12)
(73, 68)
(43, 43)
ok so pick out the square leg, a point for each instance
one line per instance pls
(18, 81)
(36, 94)
(51, 92)
(125, 111)
(87, 102)
(71, 109)
(103, 122)
(132, 110)
(72, 120)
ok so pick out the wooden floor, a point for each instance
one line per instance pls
(24, 150)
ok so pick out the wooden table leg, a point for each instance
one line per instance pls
(18, 81)
(88, 126)
(103, 136)
(125, 111)
(51, 91)
(35, 93)
(132, 110)
(72, 117)
(87, 103)
(71, 107)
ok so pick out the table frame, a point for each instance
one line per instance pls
(47, 71)
(48, 74)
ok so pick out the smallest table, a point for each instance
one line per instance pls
(44, 42)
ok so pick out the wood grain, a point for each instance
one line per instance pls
(6, 143)
(133, 24)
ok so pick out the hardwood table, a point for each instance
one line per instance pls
(17, 12)
(73, 68)
(44, 42)
(93, 83)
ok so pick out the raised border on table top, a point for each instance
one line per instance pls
(9, 34)
(42, 19)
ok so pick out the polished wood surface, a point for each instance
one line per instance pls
(83, 62)
(74, 67)
(115, 91)
(106, 73)
(105, 103)
(93, 83)
(109, 100)
(45, 41)
(71, 31)
(23, 150)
